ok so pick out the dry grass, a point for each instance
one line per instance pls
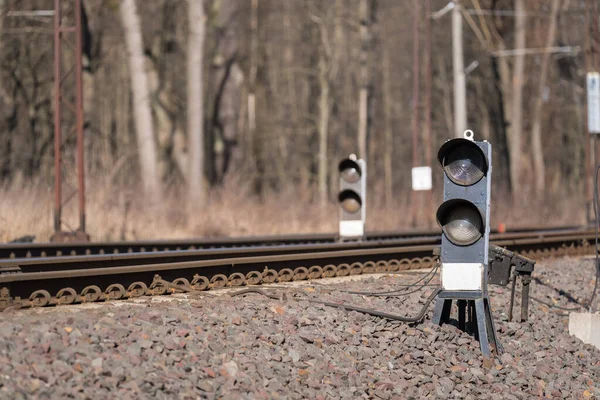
(120, 213)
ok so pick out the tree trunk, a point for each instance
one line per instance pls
(504, 90)
(195, 103)
(442, 83)
(225, 92)
(6, 105)
(363, 95)
(516, 125)
(141, 101)
(229, 108)
(3, 94)
(323, 128)
(252, 80)
(388, 133)
(536, 133)
(253, 70)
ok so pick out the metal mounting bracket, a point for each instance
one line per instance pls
(474, 316)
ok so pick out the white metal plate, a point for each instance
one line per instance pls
(462, 276)
(593, 101)
(421, 178)
(352, 228)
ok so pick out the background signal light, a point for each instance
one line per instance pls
(350, 201)
(350, 171)
(351, 197)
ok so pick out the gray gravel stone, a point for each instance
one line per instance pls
(254, 347)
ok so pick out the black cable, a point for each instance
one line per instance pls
(554, 305)
(346, 307)
(400, 294)
(405, 287)
(376, 313)
(254, 290)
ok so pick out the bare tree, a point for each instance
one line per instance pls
(224, 92)
(141, 101)
(324, 110)
(536, 132)
(326, 69)
(303, 65)
(195, 104)
(516, 126)
(388, 132)
(253, 72)
(2, 7)
(510, 82)
(6, 104)
(364, 16)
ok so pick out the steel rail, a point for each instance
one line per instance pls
(163, 257)
(155, 267)
(80, 280)
(117, 270)
(31, 250)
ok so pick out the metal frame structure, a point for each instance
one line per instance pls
(67, 21)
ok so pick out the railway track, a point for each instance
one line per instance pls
(133, 271)
(30, 250)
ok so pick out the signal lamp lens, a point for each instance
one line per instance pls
(350, 175)
(464, 165)
(350, 170)
(463, 225)
(350, 201)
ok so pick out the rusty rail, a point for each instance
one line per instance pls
(31, 250)
(66, 280)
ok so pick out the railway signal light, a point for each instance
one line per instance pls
(464, 219)
(352, 196)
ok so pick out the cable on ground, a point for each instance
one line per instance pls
(395, 293)
(554, 305)
(370, 311)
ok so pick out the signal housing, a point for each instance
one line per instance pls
(477, 194)
(464, 219)
(352, 197)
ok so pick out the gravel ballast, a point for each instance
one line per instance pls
(251, 346)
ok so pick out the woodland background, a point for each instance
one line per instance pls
(245, 107)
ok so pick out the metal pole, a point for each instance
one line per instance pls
(79, 116)
(427, 144)
(588, 160)
(460, 103)
(416, 73)
(595, 68)
(415, 101)
(594, 35)
(57, 119)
